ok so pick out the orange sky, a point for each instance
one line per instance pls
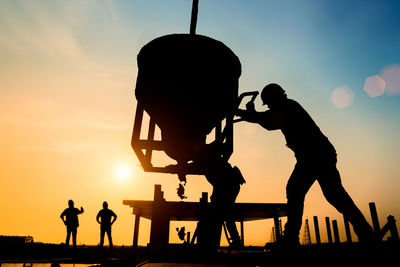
(68, 71)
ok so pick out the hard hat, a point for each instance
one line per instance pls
(271, 92)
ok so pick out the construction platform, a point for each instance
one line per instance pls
(161, 212)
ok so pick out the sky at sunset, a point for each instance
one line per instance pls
(67, 78)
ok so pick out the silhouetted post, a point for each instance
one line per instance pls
(203, 221)
(316, 228)
(347, 228)
(159, 233)
(393, 229)
(193, 21)
(328, 230)
(136, 230)
(335, 231)
(242, 232)
(374, 216)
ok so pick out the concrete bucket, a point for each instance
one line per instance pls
(188, 84)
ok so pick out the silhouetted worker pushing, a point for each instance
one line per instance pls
(106, 218)
(70, 219)
(316, 160)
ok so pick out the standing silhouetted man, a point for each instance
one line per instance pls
(316, 160)
(70, 219)
(106, 218)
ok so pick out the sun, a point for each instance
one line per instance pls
(123, 172)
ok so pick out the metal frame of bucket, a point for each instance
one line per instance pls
(144, 147)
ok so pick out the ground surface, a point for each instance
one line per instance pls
(342, 254)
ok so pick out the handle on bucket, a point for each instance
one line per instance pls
(253, 95)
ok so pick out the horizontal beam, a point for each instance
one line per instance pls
(190, 211)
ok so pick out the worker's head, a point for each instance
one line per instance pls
(272, 94)
(105, 204)
(70, 203)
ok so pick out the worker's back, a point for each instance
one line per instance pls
(302, 134)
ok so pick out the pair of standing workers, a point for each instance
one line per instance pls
(105, 218)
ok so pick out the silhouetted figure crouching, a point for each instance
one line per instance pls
(316, 160)
(70, 218)
(106, 218)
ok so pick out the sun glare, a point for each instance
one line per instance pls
(123, 172)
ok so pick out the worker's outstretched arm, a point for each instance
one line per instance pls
(270, 120)
(249, 114)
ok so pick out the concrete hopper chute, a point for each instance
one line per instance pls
(188, 86)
